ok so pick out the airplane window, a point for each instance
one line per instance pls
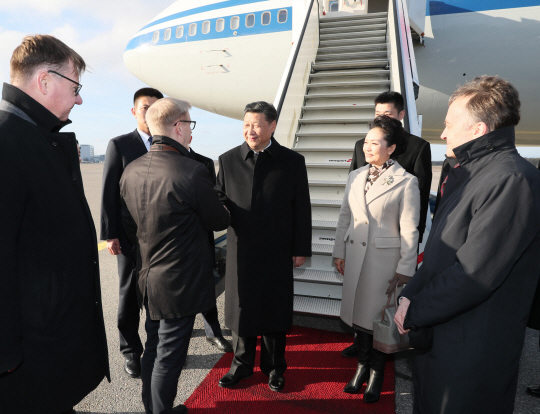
(265, 19)
(235, 22)
(250, 20)
(193, 29)
(155, 37)
(180, 31)
(167, 35)
(282, 16)
(206, 27)
(334, 6)
(220, 25)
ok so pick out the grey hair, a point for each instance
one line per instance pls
(162, 114)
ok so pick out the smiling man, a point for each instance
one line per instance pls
(265, 187)
(53, 350)
(476, 285)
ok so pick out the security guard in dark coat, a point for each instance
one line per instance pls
(53, 350)
(265, 187)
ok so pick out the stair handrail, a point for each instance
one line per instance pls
(284, 86)
(408, 69)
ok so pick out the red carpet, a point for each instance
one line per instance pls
(315, 378)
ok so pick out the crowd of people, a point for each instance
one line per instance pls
(465, 309)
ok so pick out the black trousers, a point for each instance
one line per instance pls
(211, 323)
(272, 353)
(128, 307)
(164, 357)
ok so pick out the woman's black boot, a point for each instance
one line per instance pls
(364, 343)
(376, 377)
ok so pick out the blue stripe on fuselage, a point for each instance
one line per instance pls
(202, 9)
(435, 8)
(258, 28)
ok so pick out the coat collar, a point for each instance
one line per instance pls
(37, 112)
(387, 181)
(273, 149)
(498, 140)
(162, 139)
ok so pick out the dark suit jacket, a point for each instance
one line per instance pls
(417, 161)
(120, 152)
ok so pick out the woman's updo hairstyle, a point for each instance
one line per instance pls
(393, 133)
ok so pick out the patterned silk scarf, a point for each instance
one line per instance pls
(375, 173)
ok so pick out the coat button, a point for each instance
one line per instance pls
(352, 241)
(54, 144)
(355, 219)
(363, 243)
(366, 223)
(489, 147)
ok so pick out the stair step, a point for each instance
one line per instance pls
(344, 84)
(322, 249)
(344, 165)
(376, 39)
(322, 149)
(304, 121)
(352, 64)
(354, 28)
(317, 306)
(326, 277)
(342, 95)
(323, 23)
(358, 135)
(351, 48)
(358, 72)
(373, 54)
(326, 183)
(352, 35)
(323, 202)
(362, 17)
(332, 107)
(324, 225)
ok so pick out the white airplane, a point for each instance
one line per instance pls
(322, 62)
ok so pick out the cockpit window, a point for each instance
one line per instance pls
(265, 19)
(235, 22)
(334, 6)
(250, 20)
(220, 25)
(193, 29)
(180, 31)
(282, 16)
(206, 27)
(155, 37)
(167, 34)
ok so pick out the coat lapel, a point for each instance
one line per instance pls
(388, 180)
(357, 188)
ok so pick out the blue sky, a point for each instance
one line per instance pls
(99, 31)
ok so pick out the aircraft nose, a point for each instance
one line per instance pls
(131, 58)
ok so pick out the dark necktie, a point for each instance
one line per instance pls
(150, 140)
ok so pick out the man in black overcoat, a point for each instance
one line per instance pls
(416, 160)
(53, 349)
(120, 152)
(264, 185)
(210, 318)
(169, 207)
(476, 285)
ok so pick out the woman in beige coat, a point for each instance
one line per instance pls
(376, 244)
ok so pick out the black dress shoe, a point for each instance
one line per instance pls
(276, 382)
(360, 377)
(230, 380)
(220, 343)
(350, 352)
(133, 367)
(534, 390)
(180, 409)
(374, 387)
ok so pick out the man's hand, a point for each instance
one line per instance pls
(113, 246)
(298, 261)
(340, 265)
(401, 312)
(398, 280)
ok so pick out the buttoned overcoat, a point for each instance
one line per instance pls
(377, 236)
(270, 223)
(478, 279)
(51, 321)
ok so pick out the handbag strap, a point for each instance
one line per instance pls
(394, 305)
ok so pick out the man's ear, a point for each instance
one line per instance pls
(401, 115)
(42, 80)
(480, 129)
(133, 112)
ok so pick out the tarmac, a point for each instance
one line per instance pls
(123, 394)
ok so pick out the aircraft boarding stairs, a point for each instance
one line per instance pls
(350, 70)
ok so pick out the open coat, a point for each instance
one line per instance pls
(478, 279)
(377, 236)
(270, 223)
(51, 320)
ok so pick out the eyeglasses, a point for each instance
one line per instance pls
(79, 86)
(191, 124)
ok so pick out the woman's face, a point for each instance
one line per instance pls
(375, 148)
